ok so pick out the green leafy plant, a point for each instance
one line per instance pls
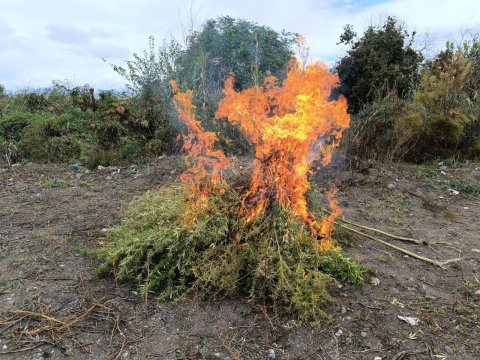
(382, 61)
(273, 261)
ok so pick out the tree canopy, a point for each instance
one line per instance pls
(227, 45)
(382, 60)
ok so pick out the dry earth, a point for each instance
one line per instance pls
(53, 305)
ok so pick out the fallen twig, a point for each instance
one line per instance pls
(58, 325)
(38, 326)
(23, 349)
(441, 264)
(227, 345)
(396, 237)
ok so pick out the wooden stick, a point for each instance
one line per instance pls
(409, 253)
(396, 237)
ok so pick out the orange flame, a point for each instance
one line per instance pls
(326, 224)
(291, 127)
(204, 173)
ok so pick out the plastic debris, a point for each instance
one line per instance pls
(271, 354)
(76, 165)
(409, 319)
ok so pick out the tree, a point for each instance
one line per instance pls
(381, 61)
(469, 50)
(222, 46)
(227, 45)
(148, 76)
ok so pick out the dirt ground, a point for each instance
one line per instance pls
(54, 305)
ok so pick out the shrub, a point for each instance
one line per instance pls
(13, 123)
(50, 138)
(445, 94)
(442, 121)
(130, 148)
(68, 126)
(37, 147)
(383, 60)
(273, 261)
(148, 76)
(34, 102)
(12, 128)
(384, 130)
(97, 155)
(8, 151)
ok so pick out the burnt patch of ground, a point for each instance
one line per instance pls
(52, 217)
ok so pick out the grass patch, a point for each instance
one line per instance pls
(467, 185)
(273, 261)
(52, 184)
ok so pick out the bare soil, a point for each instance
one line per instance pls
(54, 305)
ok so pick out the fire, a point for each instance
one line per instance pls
(204, 171)
(326, 224)
(291, 127)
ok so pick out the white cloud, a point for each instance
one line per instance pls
(55, 39)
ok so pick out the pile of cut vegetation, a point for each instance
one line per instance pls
(274, 260)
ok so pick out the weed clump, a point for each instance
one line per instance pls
(273, 260)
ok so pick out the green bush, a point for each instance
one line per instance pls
(273, 261)
(97, 155)
(442, 121)
(451, 112)
(114, 130)
(12, 131)
(382, 61)
(13, 123)
(34, 102)
(50, 138)
(130, 148)
(38, 147)
(384, 130)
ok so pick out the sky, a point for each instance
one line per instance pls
(47, 40)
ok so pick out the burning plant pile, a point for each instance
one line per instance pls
(215, 235)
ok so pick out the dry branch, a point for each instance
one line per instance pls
(364, 227)
(441, 264)
(37, 326)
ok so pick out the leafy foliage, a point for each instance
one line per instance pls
(451, 103)
(227, 45)
(148, 78)
(380, 62)
(13, 123)
(50, 138)
(449, 94)
(117, 126)
(384, 130)
(441, 119)
(71, 124)
(274, 261)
